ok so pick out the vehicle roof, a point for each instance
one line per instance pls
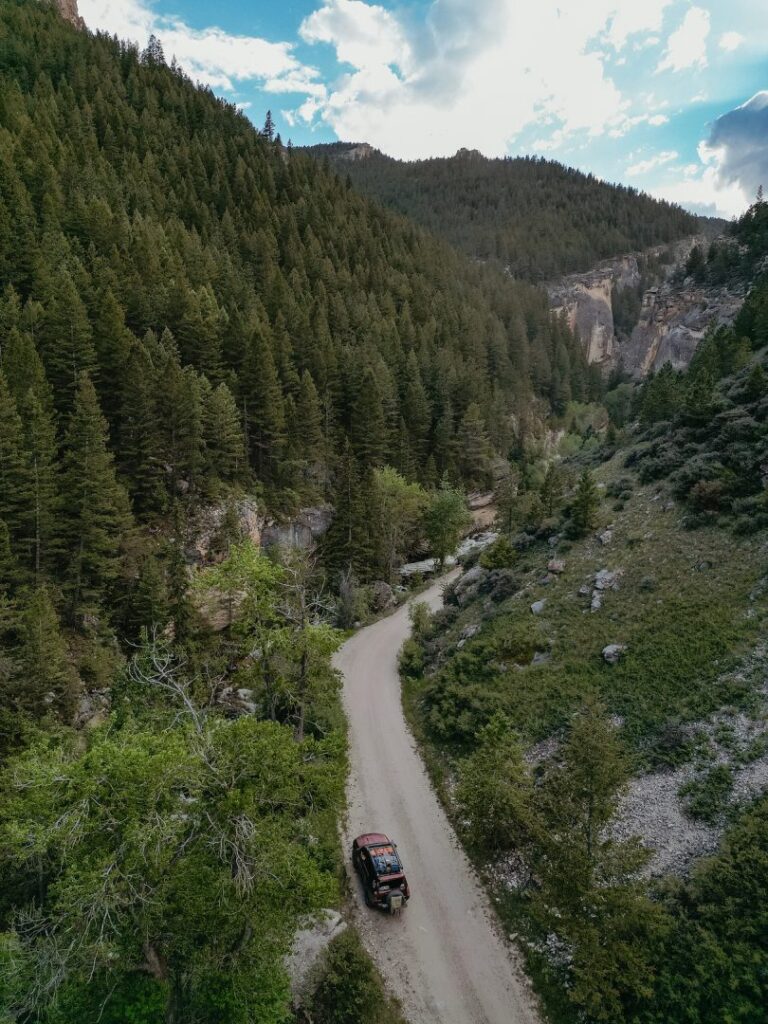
(373, 839)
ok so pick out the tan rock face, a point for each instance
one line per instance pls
(673, 320)
(586, 299)
(68, 10)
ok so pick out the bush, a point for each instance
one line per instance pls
(350, 990)
(707, 798)
(500, 555)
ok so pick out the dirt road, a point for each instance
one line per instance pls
(442, 957)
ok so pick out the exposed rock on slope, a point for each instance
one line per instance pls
(673, 319)
(68, 10)
(586, 299)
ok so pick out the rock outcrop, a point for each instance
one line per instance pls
(673, 320)
(586, 301)
(68, 10)
(674, 316)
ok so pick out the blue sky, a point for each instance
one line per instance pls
(670, 96)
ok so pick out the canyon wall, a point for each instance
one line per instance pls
(674, 317)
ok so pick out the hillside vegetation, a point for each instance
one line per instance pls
(534, 216)
(593, 697)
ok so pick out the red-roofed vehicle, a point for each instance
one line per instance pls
(377, 862)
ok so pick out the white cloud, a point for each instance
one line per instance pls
(644, 166)
(477, 72)
(364, 34)
(633, 19)
(211, 56)
(730, 41)
(687, 46)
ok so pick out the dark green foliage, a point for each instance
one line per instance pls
(707, 797)
(349, 991)
(713, 963)
(98, 518)
(504, 209)
(585, 507)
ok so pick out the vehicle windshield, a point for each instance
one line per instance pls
(385, 860)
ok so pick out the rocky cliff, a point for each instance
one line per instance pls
(673, 318)
(68, 10)
(586, 300)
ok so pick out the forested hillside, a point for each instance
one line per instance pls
(190, 313)
(536, 217)
(594, 695)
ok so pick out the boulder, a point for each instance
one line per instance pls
(237, 703)
(310, 944)
(584, 590)
(556, 565)
(597, 601)
(541, 657)
(382, 596)
(605, 537)
(613, 652)
(607, 579)
(303, 531)
(469, 631)
(538, 607)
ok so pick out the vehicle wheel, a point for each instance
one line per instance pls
(367, 897)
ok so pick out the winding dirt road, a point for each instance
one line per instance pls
(443, 957)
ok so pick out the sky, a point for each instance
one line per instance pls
(668, 96)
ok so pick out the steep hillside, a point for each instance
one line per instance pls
(595, 698)
(536, 217)
(196, 322)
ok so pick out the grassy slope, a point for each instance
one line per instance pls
(690, 609)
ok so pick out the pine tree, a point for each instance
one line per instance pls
(13, 469)
(66, 341)
(224, 441)
(269, 127)
(551, 492)
(98, 517)
(585, 505)
(38, 547)
(141, 431)
(474, 448)
(264, 411)
(46, 679)
(368, 428)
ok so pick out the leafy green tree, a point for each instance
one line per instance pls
(98, 515)
(397, 513)
(165, 872)
(445, 521)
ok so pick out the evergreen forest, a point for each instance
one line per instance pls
(535, 217)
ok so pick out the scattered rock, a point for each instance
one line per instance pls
(605, 537)
(309, 947)
(607, 579)
(467, 633)
(382, 596)
(538, 607)
(92, 709)
(467, 586)
(541, 657)
(584, 590)
(597, 601)
(613, 652)
(237, 703)
(556, 565)
(553, 541)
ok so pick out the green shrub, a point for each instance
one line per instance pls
(707, 798)
(350, 990)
